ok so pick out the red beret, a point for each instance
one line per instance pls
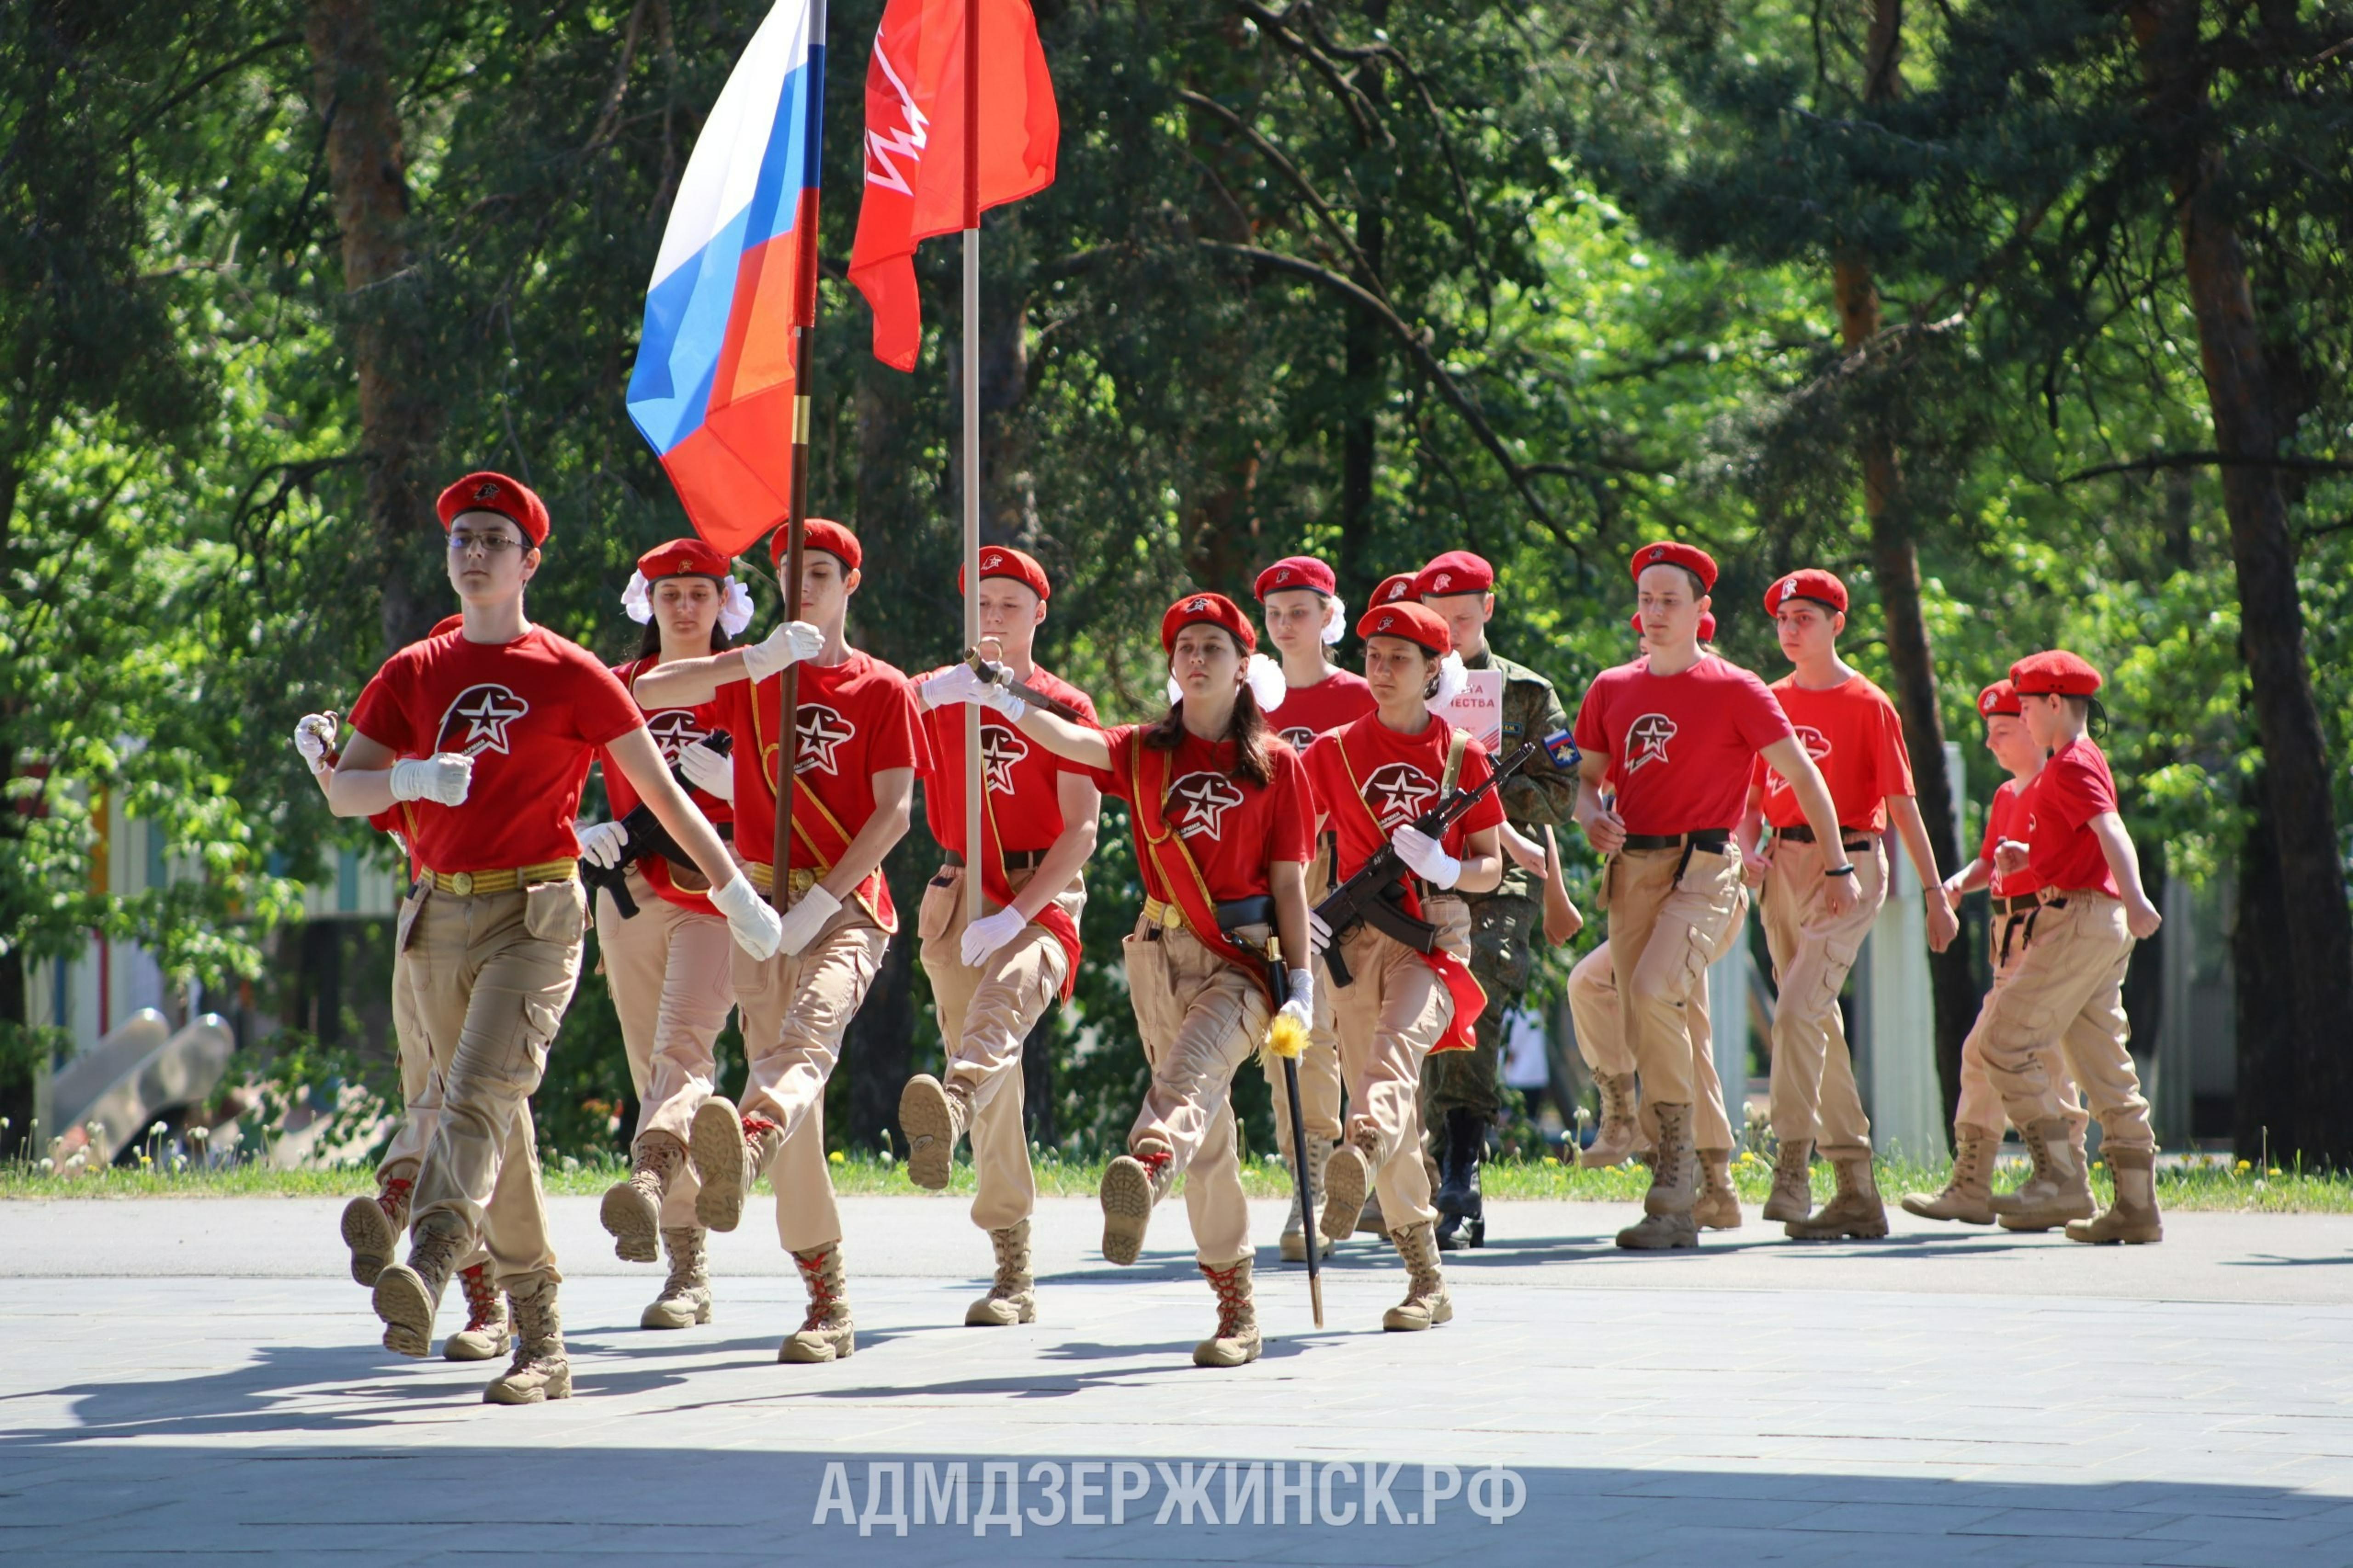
(1668, 553)
(1206, 609)
(1456, 572)
(1004, 561)
(1296, 572)
(819, 533)
(2056, 673)
(487, 491)
(682, 558)
(1415, 623)
(1810, 582)
(2001, 697)
(1637, 623)
(1707, 626)
(1393, 589)
(446, 624)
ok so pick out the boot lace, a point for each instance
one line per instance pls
(482, 1309)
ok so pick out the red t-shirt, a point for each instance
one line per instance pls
(2074, 787)
(1234, 828)
(1681, 746)
(857, 719)
(1397, 775)
(1308, 712)
(1022, 777)
(1852, 732)
(2006, 819)
(533, 714)
(673, 730)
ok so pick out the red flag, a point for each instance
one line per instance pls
(915, 145)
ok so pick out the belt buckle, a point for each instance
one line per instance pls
(462, 883)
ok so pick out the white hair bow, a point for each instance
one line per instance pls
(735, 603)
(1452, 681)
(1335, 620)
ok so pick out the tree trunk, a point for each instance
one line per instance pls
(2245, 403)
(354, 95)
(2263, 1107)
(1365, 376)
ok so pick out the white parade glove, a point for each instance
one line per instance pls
(707, 771)
(749, 920)
(601, 842)
(988, 933)
(315, 737)
(806, 918)
(1430, 862)
(788, 644)
(995, 696)
(951, 686)
(1301, 1006)
(1319, 933)
(444, 778)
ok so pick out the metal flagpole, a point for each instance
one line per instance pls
(972, 780)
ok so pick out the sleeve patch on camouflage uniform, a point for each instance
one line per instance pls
(1562, 750)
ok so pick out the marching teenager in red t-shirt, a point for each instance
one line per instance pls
(1373, 779)
(993, 980)
(1968, 1195)
(1851, 732)
(668, 963)
(2071, 980)
(855, 751)
(1224, 827)
(1677, 733)
(1298, 599)
(501, 720)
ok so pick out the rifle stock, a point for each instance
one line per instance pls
(642, 835)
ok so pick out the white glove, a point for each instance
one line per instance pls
(988, 933)
(1430, 862)
(806, 918)
(444, 778)
(601, 842)
(315, 737)
(951, 686)
(1319, 933)
(788, 644)
(1301, 1006)
(707, 771)
(749, 920)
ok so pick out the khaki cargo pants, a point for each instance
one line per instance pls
(1981, 1104)
(1396, 1009)
(1664, 932)
(1814, 1095)
(1201, 1018)
(1601, 1039)
(2070, 988)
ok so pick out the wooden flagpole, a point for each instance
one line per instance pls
(972, 771)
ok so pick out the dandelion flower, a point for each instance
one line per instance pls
(2245, 1165)
(834, 1157)
(1550, 1159)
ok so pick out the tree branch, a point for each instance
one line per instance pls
(2209, 460)
(1274, 155)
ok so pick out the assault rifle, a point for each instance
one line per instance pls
(644, 835)
(1371, 897)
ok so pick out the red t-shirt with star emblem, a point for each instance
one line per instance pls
(2006, 819)
(1234, 828)
(1855, 738)
(1021, 776)
(857, 719)
(2074, 787)
(1397, 775)
(1308, 712)
(1681, 745)
(673, 730)
(533, 714)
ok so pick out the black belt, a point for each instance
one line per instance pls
(2022, 905)
(1015, 859)
(1801, 833)
(1236, 914)
(1710, 840)
(2019, 920)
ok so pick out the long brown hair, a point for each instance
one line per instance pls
(650, 644)
(1247, 728)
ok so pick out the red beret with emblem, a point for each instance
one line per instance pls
(2001, 697)
(1809, 583)
(819, 533)
(1206, 609)
(1670, 553)
(682, 558)
(1296, 572)
(1004, 561)
(1456, 572)
(487, 491)
(1393, 589)
(1414, 622)
(2055, 673)
(446, 624)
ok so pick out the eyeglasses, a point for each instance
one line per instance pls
(491, 544)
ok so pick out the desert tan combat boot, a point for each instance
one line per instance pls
(1426, 1303)
(826, 1333)
(1969, 1191)
(1620, 1131)
(932, 1118)
(1792, 1196)
(632, 1209)
(539, 1370)
(1235, 1342)
(685, 1298)
(1012, 1299)
(2057, 1190)
(1718, 1208)
(1667, 1223)
(1854, 1211)
(1294, 1228)
(408, 1294)
(729, 1150)
(1132, 1184)
(2132, 1219)
(372, 1226)
(1347, 1179)
(486, 1336)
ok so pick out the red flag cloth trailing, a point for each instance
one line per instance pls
(915, 145)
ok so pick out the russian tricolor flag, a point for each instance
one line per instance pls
(714, 389)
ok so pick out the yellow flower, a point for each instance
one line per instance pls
(1549, 1160)
(2099, 1165)
(2273, 1171)
(2244, 1165)
(834, 1157)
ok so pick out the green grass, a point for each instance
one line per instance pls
(2210, 1182)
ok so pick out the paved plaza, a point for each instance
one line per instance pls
(200, 1380)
